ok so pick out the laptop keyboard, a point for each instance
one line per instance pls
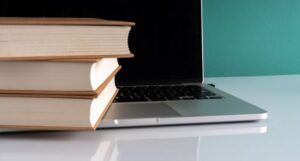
(163, 93)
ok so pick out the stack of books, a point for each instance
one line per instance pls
(58, 73)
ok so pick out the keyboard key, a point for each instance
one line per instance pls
(132, 99)
(188, 98)
(202, 97)
(215, 97)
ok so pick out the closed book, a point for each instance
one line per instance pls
(56, 113)
(63, 38)
(57, 78)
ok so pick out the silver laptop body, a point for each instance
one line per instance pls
(174, 112)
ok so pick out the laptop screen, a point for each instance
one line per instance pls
(166, 40)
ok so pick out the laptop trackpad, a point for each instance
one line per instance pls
(143, 110)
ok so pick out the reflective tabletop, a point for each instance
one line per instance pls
(273, 139)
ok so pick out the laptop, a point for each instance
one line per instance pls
(163, 84)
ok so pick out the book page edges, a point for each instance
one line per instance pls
(65, 57)
(62, 21)
(105, 110)
(60, 94)
(56, 128)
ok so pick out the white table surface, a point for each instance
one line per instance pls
(276, 139)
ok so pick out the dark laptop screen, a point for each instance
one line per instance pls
(166, 40)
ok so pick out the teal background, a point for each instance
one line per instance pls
(251, 37)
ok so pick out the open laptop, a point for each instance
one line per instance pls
(163, 84)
